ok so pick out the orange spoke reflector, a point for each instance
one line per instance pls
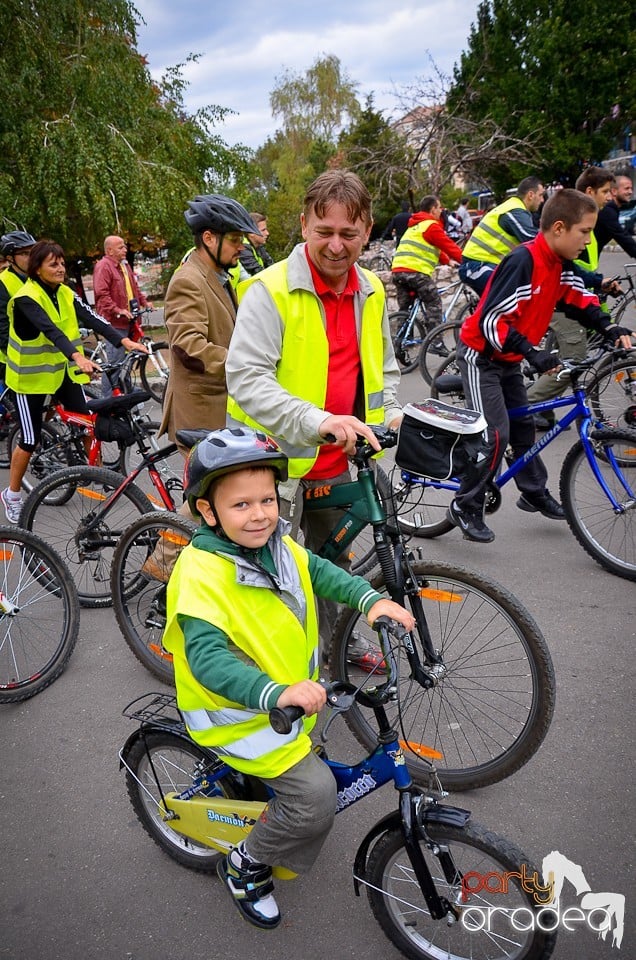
(91, 494)
(443, 596)
(6, 554)
(160, 652)
(170, 536)
(421, 750)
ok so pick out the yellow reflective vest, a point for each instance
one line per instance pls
(488, 242)
(414, 252)
(13, 283)
(37, 366)
(260, 624)
(304, 363)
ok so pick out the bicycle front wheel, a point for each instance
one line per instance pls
(407, 339)
(139, 599)
(41, 615)
(154, 372)
(438, 344)
(494, 689)
(609, 537)
(162, 763)
(612, 393)
(81, 530)
(485, 928)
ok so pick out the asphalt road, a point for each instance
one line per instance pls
(80, 880)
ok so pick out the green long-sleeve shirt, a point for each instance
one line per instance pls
(218, 664)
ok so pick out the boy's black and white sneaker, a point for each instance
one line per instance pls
(251, 887)
(543, 503)
(470, 523)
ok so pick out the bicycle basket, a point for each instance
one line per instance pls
(437, 440)
(110, 428)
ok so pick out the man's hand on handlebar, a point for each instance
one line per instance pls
(619, 336)
(388, 608)
(308, 694)
(346, 430)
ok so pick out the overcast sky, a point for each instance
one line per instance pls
(246, 46)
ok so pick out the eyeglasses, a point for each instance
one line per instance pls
(234, 238)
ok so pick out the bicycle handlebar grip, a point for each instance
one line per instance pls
(282, 719)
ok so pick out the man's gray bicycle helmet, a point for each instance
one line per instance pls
(219, 214)
(10, 243)
(226, 451)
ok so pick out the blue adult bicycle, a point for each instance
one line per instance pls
(598, 476)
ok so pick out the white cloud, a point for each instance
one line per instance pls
(246, 48)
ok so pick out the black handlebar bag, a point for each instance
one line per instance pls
(439, 441)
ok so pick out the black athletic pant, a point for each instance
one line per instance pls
(493, 388)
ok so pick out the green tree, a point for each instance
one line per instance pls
(89, 143)
(564, 69)
(313, 108)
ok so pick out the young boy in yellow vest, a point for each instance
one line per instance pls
(242, 628)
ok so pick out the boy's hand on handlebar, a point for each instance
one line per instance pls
(346, 431)
(388, 608)
(619, 336)
(133, 345)
(308, 694)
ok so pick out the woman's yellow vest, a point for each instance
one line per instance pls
(488, 242)
(37, 366)
(414, 252)
(304, 363)
(203, 585)
(13, 283)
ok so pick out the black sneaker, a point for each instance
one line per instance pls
(471, 524)
(438, 349)
(252, 890)
(541, 503)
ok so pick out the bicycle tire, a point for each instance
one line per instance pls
(51, 455)
(176, 762)
(170, 469)
(397, 902)
(621, 307)
(421, 506)
(438, 344)
(491, 708)
(608, 537)
(138, 600)
(87, 556)
(407, 350)
(611, 393)
(38, 638)
(156, 386)
(453, 394)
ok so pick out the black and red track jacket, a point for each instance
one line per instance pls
(517, 305)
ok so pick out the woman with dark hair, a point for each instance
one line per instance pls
(45, 356)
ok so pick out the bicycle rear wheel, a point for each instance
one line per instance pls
(493, 696)
(80, 530)
(438, 344)
(398, 904)
(608, 537)
(139, 599)
(447, 382)
(51, 455)
(39, 628)
(162, 763)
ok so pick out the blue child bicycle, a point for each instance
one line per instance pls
(420, 865)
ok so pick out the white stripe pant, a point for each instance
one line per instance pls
(493, 388)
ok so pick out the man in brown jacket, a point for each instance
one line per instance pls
(200, 310)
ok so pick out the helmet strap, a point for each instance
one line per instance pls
(215, 259)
